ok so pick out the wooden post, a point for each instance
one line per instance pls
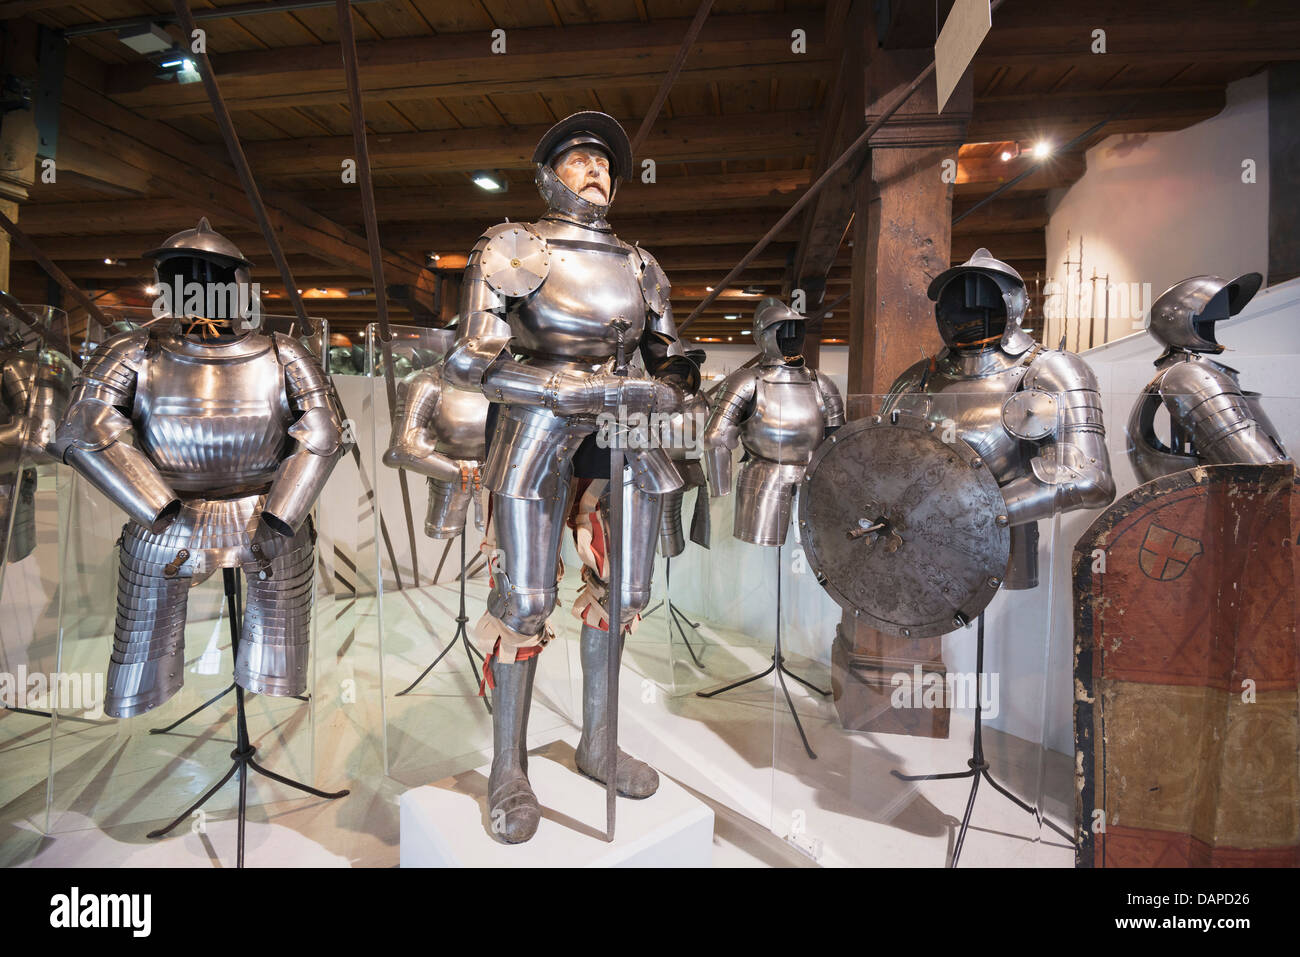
(902, 237)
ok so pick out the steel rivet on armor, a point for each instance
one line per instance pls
(907, 632)
(977, 463)
(1002, 521)
(994, 582)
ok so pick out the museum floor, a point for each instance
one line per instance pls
(113, 781)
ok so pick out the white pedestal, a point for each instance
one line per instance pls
(446, 824)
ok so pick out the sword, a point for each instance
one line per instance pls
(615, 601)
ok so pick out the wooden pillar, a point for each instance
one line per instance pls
(17, 133)
(902, 233)
(1283, 172)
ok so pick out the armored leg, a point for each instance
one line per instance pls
(147, 665)
(274, 646)
(513, 809)
(448, 503)
(633, 778)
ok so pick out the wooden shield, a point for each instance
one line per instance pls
(1186, 673)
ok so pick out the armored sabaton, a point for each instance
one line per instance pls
(234, 440)
(1212, 420)
(1033, 415)
(779, 411)
(439, 432)
(34, 388)
(684, 444)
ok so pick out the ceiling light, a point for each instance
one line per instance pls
(151, 289)
(1006, 155)
(708, 289)
(109, 261)
(731, 316)
(1042, 149)
(489, 180)
(744, 332)
(753, 290)
(146, 38)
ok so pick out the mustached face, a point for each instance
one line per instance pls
(586, 172)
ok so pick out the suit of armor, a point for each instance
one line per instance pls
(1213, 421)
(234, 437)
(439, 432)
(34, 387)
(545, 308)
(780, 411)
(1032, 414)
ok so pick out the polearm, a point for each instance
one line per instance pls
(614, 578)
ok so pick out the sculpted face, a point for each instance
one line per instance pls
(585, 171)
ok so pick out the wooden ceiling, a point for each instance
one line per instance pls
(735, 144)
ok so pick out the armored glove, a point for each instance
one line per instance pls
(570, 393)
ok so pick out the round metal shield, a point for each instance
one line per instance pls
(903, 529)
(515, 261)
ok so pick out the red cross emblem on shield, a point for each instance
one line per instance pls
(1165, 554)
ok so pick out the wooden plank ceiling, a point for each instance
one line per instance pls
(141, 157)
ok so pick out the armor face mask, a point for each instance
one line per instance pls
(1183, 316)
(778, 330)
(594, 131)
(980, 303)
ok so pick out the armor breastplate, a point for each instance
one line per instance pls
(788, 421)
(213, 418)
(593, 278)
(970, 391)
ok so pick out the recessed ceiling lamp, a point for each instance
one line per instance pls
(1042, 149)
(489, 180)
(744, 332)
(110, 261)
(731, 316)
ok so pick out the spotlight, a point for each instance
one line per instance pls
(109, 261)
(744, 332)
(489, 180)
(1042, 149)
(731, 316)
(151, 290)
(1006, 155)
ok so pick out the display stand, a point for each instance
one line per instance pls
(461, 635)
(978, 764)
(242, 757)
(778, 665)
(676, 617)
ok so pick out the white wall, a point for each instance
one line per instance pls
(1152, 209)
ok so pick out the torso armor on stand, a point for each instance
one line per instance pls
(779, 411)
(234, 439)
(1033, 415)
(1212, 419)
(34, 388)
(439, 432)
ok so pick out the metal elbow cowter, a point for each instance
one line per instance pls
(302, 476)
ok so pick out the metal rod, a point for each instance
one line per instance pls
(348, 45)
(215, 13)
(811, 192)
(222, 115)
(661, 95)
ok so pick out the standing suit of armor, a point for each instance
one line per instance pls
(1213, 421)
(780, 411)
(439, 432)
(1032, 414)
(541, 310)
(235, 434)
(34, 387)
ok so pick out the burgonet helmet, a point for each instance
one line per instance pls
(1183, 316)
(978, 300)
(200, 255)
(778, 330)
(588, 128)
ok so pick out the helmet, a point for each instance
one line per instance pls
(980, 300)
(1183, 316)
(588, 128)
(204, 256)
(778, 330)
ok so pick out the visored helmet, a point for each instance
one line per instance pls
(979, 302)
(201, 255)
(1183, 316)
(778, 330)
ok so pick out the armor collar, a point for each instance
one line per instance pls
(976, 365)
(246, 346)
(564, 204)
(1172, 356)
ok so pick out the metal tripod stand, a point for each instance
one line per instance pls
(978, 765)
(778, 666)
(242, 760)
(461, 635)
(677, 618)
